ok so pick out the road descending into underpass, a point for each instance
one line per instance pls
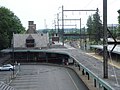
(44, 77)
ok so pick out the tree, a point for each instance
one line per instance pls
(9, 24)
(118, 22)
(119, 16)
(94, 29)
(90, 27)
(97, 27)
(4, 41)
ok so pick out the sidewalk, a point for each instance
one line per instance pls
(84, 78)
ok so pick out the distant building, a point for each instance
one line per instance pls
(55, 37)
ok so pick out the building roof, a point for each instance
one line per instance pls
(31, 31)
(29, 37)
(41, 40)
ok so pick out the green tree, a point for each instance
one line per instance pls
(118, 16)
(90, 27)
(94, 25)
(9, 24)
(119, 23)
(97, 27)
(4, 41)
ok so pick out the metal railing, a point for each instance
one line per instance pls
(101, 82)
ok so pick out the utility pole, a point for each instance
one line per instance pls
(80, 34)
(62, 26)
(58, 23)
(105, 44)
(55, 26)
(73, 25)
(63, 19)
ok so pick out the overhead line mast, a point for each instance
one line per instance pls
(105, 44)
(63, 10)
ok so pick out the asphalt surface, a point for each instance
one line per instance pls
(42, 77)
(94, 66)
(5, 75)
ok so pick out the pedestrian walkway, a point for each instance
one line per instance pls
(4, 86)
(88, 83)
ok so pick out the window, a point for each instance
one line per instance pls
(30, 42)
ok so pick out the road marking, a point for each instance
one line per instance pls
(72, 80)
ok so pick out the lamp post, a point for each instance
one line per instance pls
(13, 54)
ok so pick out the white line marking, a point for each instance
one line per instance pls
(72, 80)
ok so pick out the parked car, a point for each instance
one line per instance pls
(7, 67)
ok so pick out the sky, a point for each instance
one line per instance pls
(44, 12)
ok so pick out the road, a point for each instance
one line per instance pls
(94, 66)
(42, 77)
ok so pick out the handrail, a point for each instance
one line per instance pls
(105, 84)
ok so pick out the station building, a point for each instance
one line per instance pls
(32, 47)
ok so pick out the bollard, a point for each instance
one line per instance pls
(88, 75)
(104, 88)
(79, 67)
(83, 72)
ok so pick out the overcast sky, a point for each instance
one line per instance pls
(44, 12)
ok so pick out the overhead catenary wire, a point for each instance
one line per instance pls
(88, 3)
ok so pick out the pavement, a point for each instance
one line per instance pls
(6, 76)
(44, 77)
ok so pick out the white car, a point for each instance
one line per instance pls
(7, 67)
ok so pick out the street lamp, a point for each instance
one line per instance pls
(13, 54)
